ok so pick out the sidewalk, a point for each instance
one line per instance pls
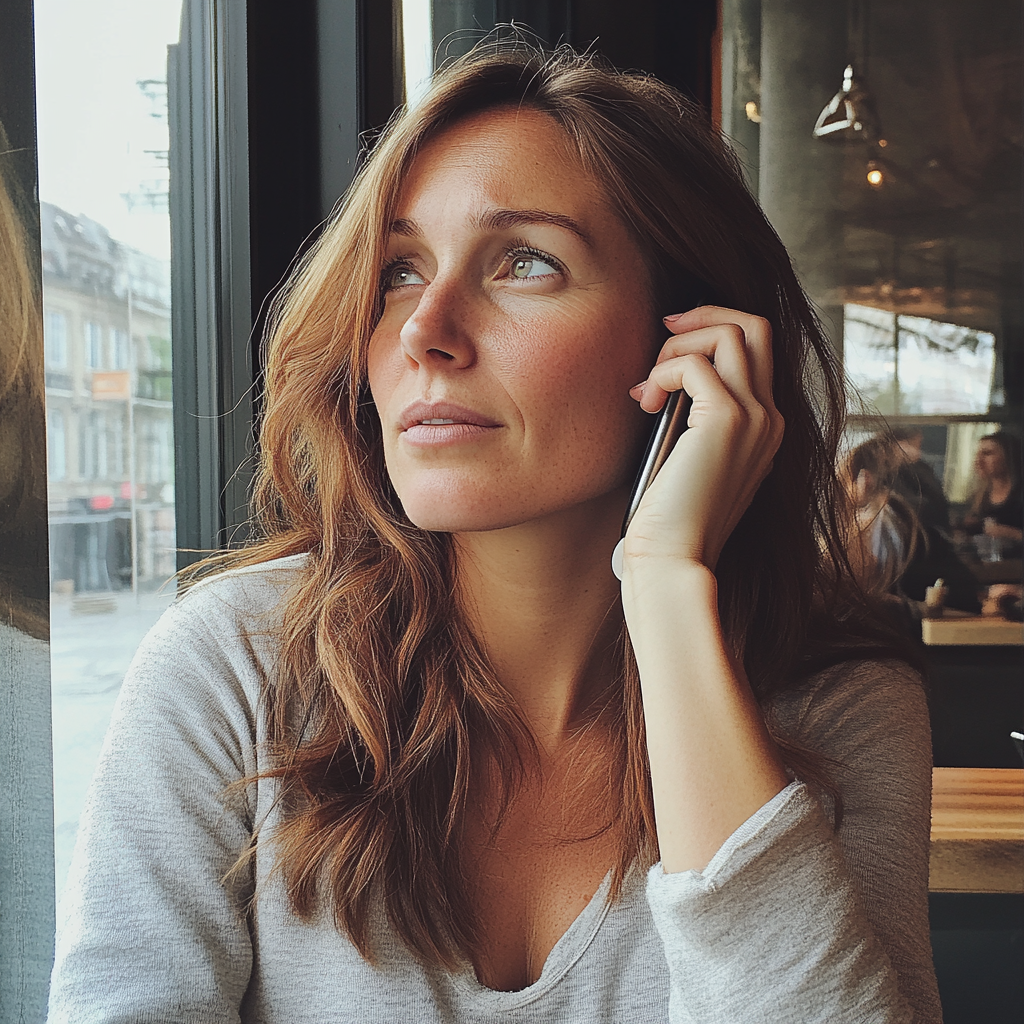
(89, 655)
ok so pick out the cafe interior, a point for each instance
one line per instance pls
(884, 142)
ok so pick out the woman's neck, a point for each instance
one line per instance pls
(545, 605)
(999, 488)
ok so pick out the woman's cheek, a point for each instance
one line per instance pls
(383, 367)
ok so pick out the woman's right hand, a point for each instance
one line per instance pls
(722, 359)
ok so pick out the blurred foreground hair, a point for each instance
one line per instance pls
(385, 707)
(23, 571)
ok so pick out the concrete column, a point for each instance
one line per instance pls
(741, 82)
(803, 53)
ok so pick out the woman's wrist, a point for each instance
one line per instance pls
(671, 611)
(648, 579)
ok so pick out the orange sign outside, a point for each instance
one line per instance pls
(111, 385)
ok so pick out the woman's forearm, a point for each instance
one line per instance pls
(712, 761)
(994, 529)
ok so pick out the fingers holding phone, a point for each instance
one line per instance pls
(722, 360)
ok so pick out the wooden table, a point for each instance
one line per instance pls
(972, 630)
(977, 830)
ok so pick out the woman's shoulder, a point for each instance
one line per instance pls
(250, 598)
(858, 704)
(228, 625)
(250, 582)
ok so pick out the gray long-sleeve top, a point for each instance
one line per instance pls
(790, 923)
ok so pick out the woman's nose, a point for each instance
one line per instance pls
(438, 333)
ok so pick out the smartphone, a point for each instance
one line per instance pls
(671, 422)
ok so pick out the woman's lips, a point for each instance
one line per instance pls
(437, 423)
(428, 434)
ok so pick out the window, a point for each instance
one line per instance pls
(180, 83)
(117, 434)
(156, 464)
(103, 142)
(94, 437)
(119, 345)
(159, 353)
(418, 48)
(911, 365)
(904, 217)
(56, 340)
(93, 352)
(56, 445)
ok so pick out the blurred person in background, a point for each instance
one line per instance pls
(916, 482)
(897, 552)
(996, 509)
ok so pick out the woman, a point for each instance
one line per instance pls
(462, 747)
(996, 509)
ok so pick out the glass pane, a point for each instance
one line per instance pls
(935, 368)
(943, 368)
(417, 46)
(885, 144)
(870, 355)
(101, 74)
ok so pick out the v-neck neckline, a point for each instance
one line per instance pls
(564, 954)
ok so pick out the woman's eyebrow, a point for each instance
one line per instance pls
(502, 219)
(405, 228)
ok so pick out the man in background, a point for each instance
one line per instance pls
(917, 483)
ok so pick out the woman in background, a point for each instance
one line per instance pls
(418, 756)
(996, 509)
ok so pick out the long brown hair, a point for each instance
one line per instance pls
(384, 704)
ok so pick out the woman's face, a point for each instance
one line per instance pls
(517, 317)
(990, 462)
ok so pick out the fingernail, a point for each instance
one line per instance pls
(637, 390)
(672, 316)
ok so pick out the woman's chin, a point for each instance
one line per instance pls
(450, 518)
(462, 508)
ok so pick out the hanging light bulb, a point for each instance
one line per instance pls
(875, 176)
(848, 114)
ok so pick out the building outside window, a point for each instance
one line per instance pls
(103, 142)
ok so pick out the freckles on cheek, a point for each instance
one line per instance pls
(543, 359)
(382, 375)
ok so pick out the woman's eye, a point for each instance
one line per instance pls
(531, 266)
(396, 277)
